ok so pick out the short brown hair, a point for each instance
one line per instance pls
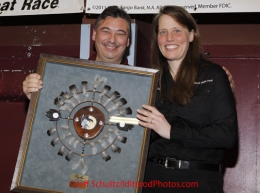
(115, 12)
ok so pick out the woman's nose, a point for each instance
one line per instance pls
(170, 36)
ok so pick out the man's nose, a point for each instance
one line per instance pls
(112, 37)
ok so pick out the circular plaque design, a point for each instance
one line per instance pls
(82, 128)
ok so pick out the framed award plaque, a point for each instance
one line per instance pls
(70, 144)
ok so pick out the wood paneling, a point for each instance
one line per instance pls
(242, 163)
(12, 119)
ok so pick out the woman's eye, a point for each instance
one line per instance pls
(162, 32)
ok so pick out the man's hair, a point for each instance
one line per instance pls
(115, 12)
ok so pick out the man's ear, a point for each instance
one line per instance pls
(94, 35)
(128, 42)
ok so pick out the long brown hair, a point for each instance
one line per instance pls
(182, 89)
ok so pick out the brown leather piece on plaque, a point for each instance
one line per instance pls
(89, 122)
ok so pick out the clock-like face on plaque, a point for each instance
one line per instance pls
(81, 122)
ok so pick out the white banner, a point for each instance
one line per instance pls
(195, 6)
(37, 7)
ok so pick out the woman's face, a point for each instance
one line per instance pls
(173, 39)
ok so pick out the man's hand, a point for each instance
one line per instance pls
(32, 83)
(230, 78)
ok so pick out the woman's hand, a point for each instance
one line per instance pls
(151, 118)
(32, 83)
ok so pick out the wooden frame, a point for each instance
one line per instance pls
(72, 86)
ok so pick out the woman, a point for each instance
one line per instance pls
(195, 117)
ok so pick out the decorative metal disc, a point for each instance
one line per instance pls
(89, 122)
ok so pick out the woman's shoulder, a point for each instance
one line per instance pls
(209, 75)
(210, 68)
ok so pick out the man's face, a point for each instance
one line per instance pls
(111, 39)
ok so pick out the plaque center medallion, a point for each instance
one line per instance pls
(89, 122)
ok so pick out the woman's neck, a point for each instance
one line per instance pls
(174, 67)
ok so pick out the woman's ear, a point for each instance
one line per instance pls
(191, 35)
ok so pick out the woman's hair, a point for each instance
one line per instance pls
(182, 89)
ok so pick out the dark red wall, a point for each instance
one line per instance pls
(242, 163)
(22, 39)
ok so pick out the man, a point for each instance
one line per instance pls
(111, 34)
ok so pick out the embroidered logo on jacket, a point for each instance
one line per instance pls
(204, 81)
